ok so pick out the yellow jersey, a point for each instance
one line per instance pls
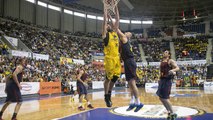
(112, 48)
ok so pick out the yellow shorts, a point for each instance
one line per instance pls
(112, 67)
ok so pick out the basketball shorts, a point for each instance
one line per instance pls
(130, 69)
(81, 89)
(164, 88)
(112, 67)
(13, 93)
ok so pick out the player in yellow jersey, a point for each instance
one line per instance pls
(112, 63)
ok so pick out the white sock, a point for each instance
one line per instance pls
(137, 101)
(88, 103)
(132, 101)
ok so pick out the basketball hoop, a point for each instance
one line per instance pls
(109, 5)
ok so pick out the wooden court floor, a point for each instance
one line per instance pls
(60, 106)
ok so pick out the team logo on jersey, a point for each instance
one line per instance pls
(114, 36)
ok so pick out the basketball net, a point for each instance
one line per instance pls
(109, 6)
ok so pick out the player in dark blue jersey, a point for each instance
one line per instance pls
(168, 69)
(82, 87)
(13, 89)
(130, 66)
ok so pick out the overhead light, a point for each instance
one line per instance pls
(68, 11)
(32, 1)
(124, 21)
(54, 8)
(42, 4)
(91, 16)
(100, 18)
(135, 22)
(79, 14)
(147, 22)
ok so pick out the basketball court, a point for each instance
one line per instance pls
(189, 104)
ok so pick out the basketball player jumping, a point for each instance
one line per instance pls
(81, 87)
(112, 63)
(13, 89)
(129, 65)
(168, 69)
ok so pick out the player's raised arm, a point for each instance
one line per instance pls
(117, 17)
(104, 25)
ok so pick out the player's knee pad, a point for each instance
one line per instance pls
(114, 79)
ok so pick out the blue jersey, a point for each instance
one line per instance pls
(19, 77)
(12, 89)
(126, 51)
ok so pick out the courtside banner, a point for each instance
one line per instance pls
(49, 87)
(97, 84)
(208, 85)
(30, 88)
(27, 88)
(2, 88)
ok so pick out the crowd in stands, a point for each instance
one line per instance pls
(152, 33)
(212, 53)
(154, 49)
(180, 32)
(55, 44)
(47, 71)
(73, 45)
(188, 74)
(160, 32)
(211, 27)
(3, 48)
(168, 31)
(137, 54)
(48, 42)
(191, 48)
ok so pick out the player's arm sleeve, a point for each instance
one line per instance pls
(104, 24)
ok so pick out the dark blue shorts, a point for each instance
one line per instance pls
(164, 88)
(13, 93)
(130, 69)
(81, 89)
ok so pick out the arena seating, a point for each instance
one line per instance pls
(198, 28)
(154, 33)
(78, 45)
(136, 51)
(49, 42)
(211, 26)
(154, 49)
(50, 70)
(212, 54)
(168, 31)
(195, 48)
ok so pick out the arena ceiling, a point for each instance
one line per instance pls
(156, 10)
